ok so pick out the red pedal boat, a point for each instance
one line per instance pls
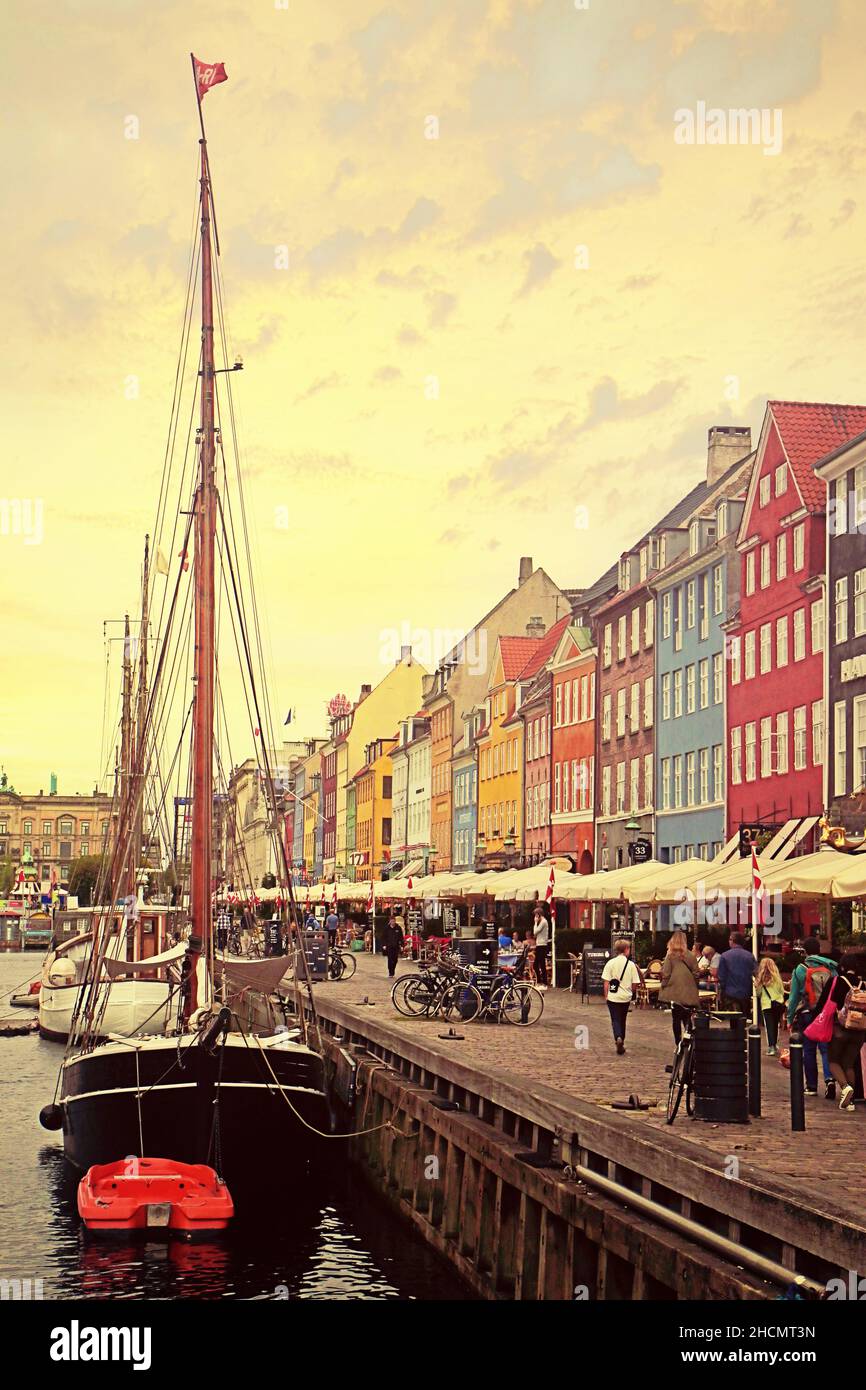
(136, 1194)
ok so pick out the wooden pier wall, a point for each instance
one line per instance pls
(481, 1168)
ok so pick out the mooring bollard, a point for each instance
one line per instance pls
(798, 1099)
(754, 1070)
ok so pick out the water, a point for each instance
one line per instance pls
(332, 1238)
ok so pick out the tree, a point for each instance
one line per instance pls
(83, 877)
(7, 877)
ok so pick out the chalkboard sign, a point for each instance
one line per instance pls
(316, 948)
(413, 918)
(594, 958)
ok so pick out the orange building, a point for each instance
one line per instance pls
(439, 708)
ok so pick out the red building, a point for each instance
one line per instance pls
(573, 746)
(535, 714)
(775, 697)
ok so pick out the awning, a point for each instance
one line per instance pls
(116, 968)
(261, 975)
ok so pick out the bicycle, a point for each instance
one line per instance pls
(443, 990)
(509, 999)
(341, 965)
(683, 1073)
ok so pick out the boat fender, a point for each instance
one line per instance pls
(51, 1117)
(211, 1034)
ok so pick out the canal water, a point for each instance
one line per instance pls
(331, 1238)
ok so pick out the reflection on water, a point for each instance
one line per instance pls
(328, 1238)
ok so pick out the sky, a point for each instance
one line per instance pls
(488, 303)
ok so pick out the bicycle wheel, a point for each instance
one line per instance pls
(680, 1078)
(350, 965)
(413, 995)
(521, 1004)
(335, 968)
(460, 1003)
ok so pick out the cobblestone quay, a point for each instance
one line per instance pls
(794, 1198)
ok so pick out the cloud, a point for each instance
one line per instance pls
(346, 169)
(386, 374)
(325, 383)
(607, 406)
(847, 209)
(540, 265)
(409, 336)
(441, 306)
(423, 213)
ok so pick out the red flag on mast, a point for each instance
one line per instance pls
(551, 883)
(207, 75)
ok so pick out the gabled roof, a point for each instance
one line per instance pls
(515, 652)
(809, 430)
(545, 647)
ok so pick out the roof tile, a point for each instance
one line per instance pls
(810, 430)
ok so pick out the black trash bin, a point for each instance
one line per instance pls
(721, 1070)
(480, 951)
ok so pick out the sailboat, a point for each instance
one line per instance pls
(222, 1089)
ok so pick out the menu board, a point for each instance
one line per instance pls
(316, 948)
(413, 920)
(594, 960)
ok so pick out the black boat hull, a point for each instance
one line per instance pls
(195, 1106)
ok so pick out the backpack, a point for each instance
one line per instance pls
(853, 1012)
(816, 978)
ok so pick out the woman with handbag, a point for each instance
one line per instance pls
(771, 999)
(680, 978)
(620, 977)
(842, 1008)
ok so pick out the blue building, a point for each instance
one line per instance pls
(464, 815)
(298, 824)
(696, 595)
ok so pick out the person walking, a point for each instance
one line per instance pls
(680, 976)
(771, 999)
(332, 923)
(848, 992)
(808, 982)
(541, 932)
(621, 978)
(392, 939)
(737, 968)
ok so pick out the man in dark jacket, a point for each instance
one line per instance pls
(807, 983)
(392, 939)
(737, 968)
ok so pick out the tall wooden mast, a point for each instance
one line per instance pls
(205, 531)
(140, 760)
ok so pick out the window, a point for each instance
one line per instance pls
(781, 556)
(566, 795)
(840, 749)
(666, 695)
(718, 790)
(764, 490)
(859, 496)
(721, 520)
(620, 712)
(606, 645)
(46, 827)
(585, 712)
(750, 655)
(781, 479)
(605, 790)
(690, 779)
(85, 847)
(634, 712)
(799, 546)
(649, 622)
(28, 827)
(634, 783)
(694, 537)
(690, 604)
(818, 625)
(736, 756)
(644, 562)
(750, 572)
(734, 646)
(840, 506)
(635, 631)
(818, 733)
(718, 679)
(766, 747)
(766, 648)
(648, 703)
(782, 641)
(859, 602)
(620, 638)
(648, 779)
(678, 620)
(620, 788)
(566, 703)
(750, 752)
(799, 738)
(703, 776)
(859, 730)
(690, 690)
(666, 614)
(765, 565)
(605, 717)
(678, 694)
(842, 609)
(718, 589)
(46, 852)
(799, 634)
(666, 784)
(64, 827)
(556, 787)
(705, 606)
(704, 683)
(678, 780)
(557, 708)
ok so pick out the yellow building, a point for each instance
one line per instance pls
(54, 830)
(373, 810)
(311, 822)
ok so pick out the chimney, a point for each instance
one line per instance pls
(536, 627)
(365, 691)
(525, 569)
(726, 445)
(405, 655)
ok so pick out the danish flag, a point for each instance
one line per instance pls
(759, 896)
(548, 897)
(334, 897)
(207, 75)
(370, 898)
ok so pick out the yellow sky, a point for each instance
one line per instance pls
(433, 386)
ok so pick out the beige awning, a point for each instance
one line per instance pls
(149, 966)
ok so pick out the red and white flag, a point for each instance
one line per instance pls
(334, 898)
(759, 895)
(370, 898)
(207, 75)
(548, 897)
(410, 900)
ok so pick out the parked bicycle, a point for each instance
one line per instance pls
(341, 965)
(683, 1072)
(441, 990)
(506, 999)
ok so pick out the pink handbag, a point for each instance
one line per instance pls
(820, 1030)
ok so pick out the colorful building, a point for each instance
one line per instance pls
(439, 707)
(464, 772)
(373, 814)
(534, 714)
(572, 746)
